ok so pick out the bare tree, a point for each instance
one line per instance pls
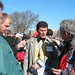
(21, 21)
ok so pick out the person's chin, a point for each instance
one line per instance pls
(43, 37)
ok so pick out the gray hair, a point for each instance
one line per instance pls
(68, 25)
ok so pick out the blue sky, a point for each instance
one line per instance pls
(51, 11)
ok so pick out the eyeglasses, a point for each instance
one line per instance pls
(1, 19)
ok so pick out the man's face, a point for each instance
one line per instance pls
(42, 32)
(4, 26)
(64, 36)
(1, 17)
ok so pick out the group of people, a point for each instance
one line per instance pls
(47, 52)
(41, 54)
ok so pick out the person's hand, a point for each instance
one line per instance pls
(35, 66)
(57, 71)
(21, 44)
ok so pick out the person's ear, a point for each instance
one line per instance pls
(66, 34)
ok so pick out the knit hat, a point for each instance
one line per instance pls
(19, 35)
